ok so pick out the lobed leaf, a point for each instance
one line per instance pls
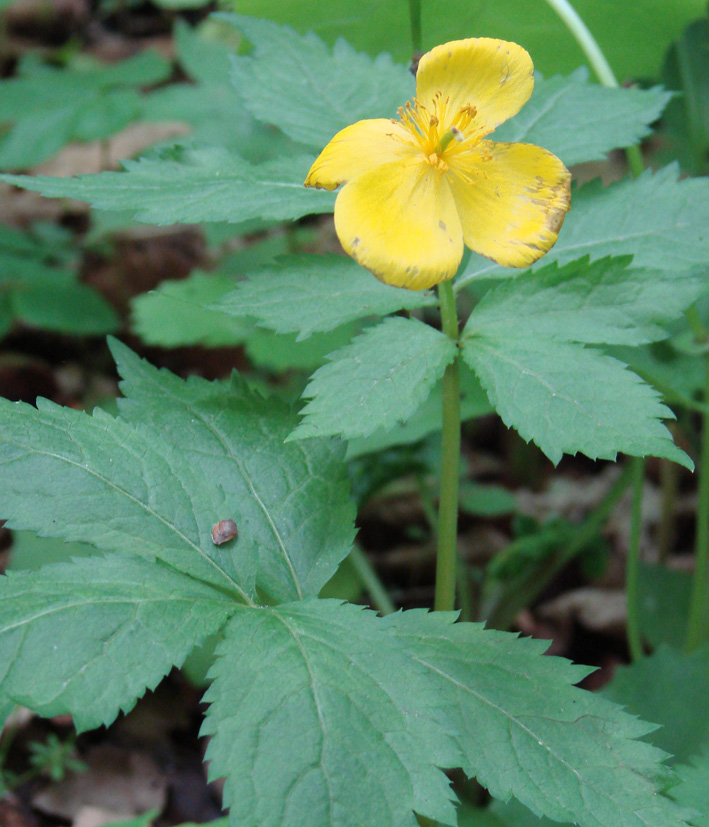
(582, 121)
(99, 480)
(604, 302)
(290, 502)
(656, 218)
(693, 788)
(89, 637)
(313, 294)
(189, 186)
(569, 399)
(324, 714)
(378, 380)
(310, 92)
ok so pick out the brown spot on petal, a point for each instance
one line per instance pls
(442, 225)
(224, 531)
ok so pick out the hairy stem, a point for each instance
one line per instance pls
(447, 557)
(415, 20)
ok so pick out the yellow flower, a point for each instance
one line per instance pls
(417, 189)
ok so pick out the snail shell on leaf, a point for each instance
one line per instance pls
(224, 531)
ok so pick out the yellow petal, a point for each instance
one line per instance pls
(359, 148)
(511, 199)
(400, 222)
(494, 76)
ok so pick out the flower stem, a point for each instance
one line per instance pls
(369, 578)
(599, 64)
(698, 620)
(415, 19)
(447, 558)
(632, 575)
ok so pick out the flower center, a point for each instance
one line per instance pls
(438, 130)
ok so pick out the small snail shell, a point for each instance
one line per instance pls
(224, 531)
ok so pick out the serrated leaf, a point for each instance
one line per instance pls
(693, 788)
(309, 91)
(90, 636)
(378, 380)
(656, 218)
(313, 294)
(575, 119)
(317, 721)
(569, 399)
(633, 38)
(427, 419)
(281, 352)
(324, 714)
(668, 687)
(522, 730)
(604, 302)
(99, 480)
(582, 121)
(291, 502)
(189, 186)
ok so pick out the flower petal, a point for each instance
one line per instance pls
(494, 76)
(359, 148)
(512, 200)
(400, 222)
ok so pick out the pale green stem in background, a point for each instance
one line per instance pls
(369, 578)
(605, 75)
(698, 620)
(447, 556)
(632, 574)
(415, 19)
(598, 62)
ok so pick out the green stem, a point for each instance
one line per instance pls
(632, 576)
(369, 578)
(447, 557)
(698, 620)
(415, 19)
(599, 64)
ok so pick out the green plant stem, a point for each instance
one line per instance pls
(632, 575)
(415, 20)
(599, 64)
(447, 556)
(528, 588)
(698, 620)
(369, 578)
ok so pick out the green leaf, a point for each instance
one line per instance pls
(378, 380)
(100, 480)
(182, 313)
(308, 91)
(686, 69)
(291, 502)
(427, 419)
(322, 710)
(606, 302)
(43, 295)
(87, 638)
(30, 552)
(577, 120)
(277, 353)
(49, 107)
(313, 294)
(664, 604)
(657, 219)
(189, 186)
(668, 687)
(569, 399)
(693, 788)
(633, 38)
(582, 121)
